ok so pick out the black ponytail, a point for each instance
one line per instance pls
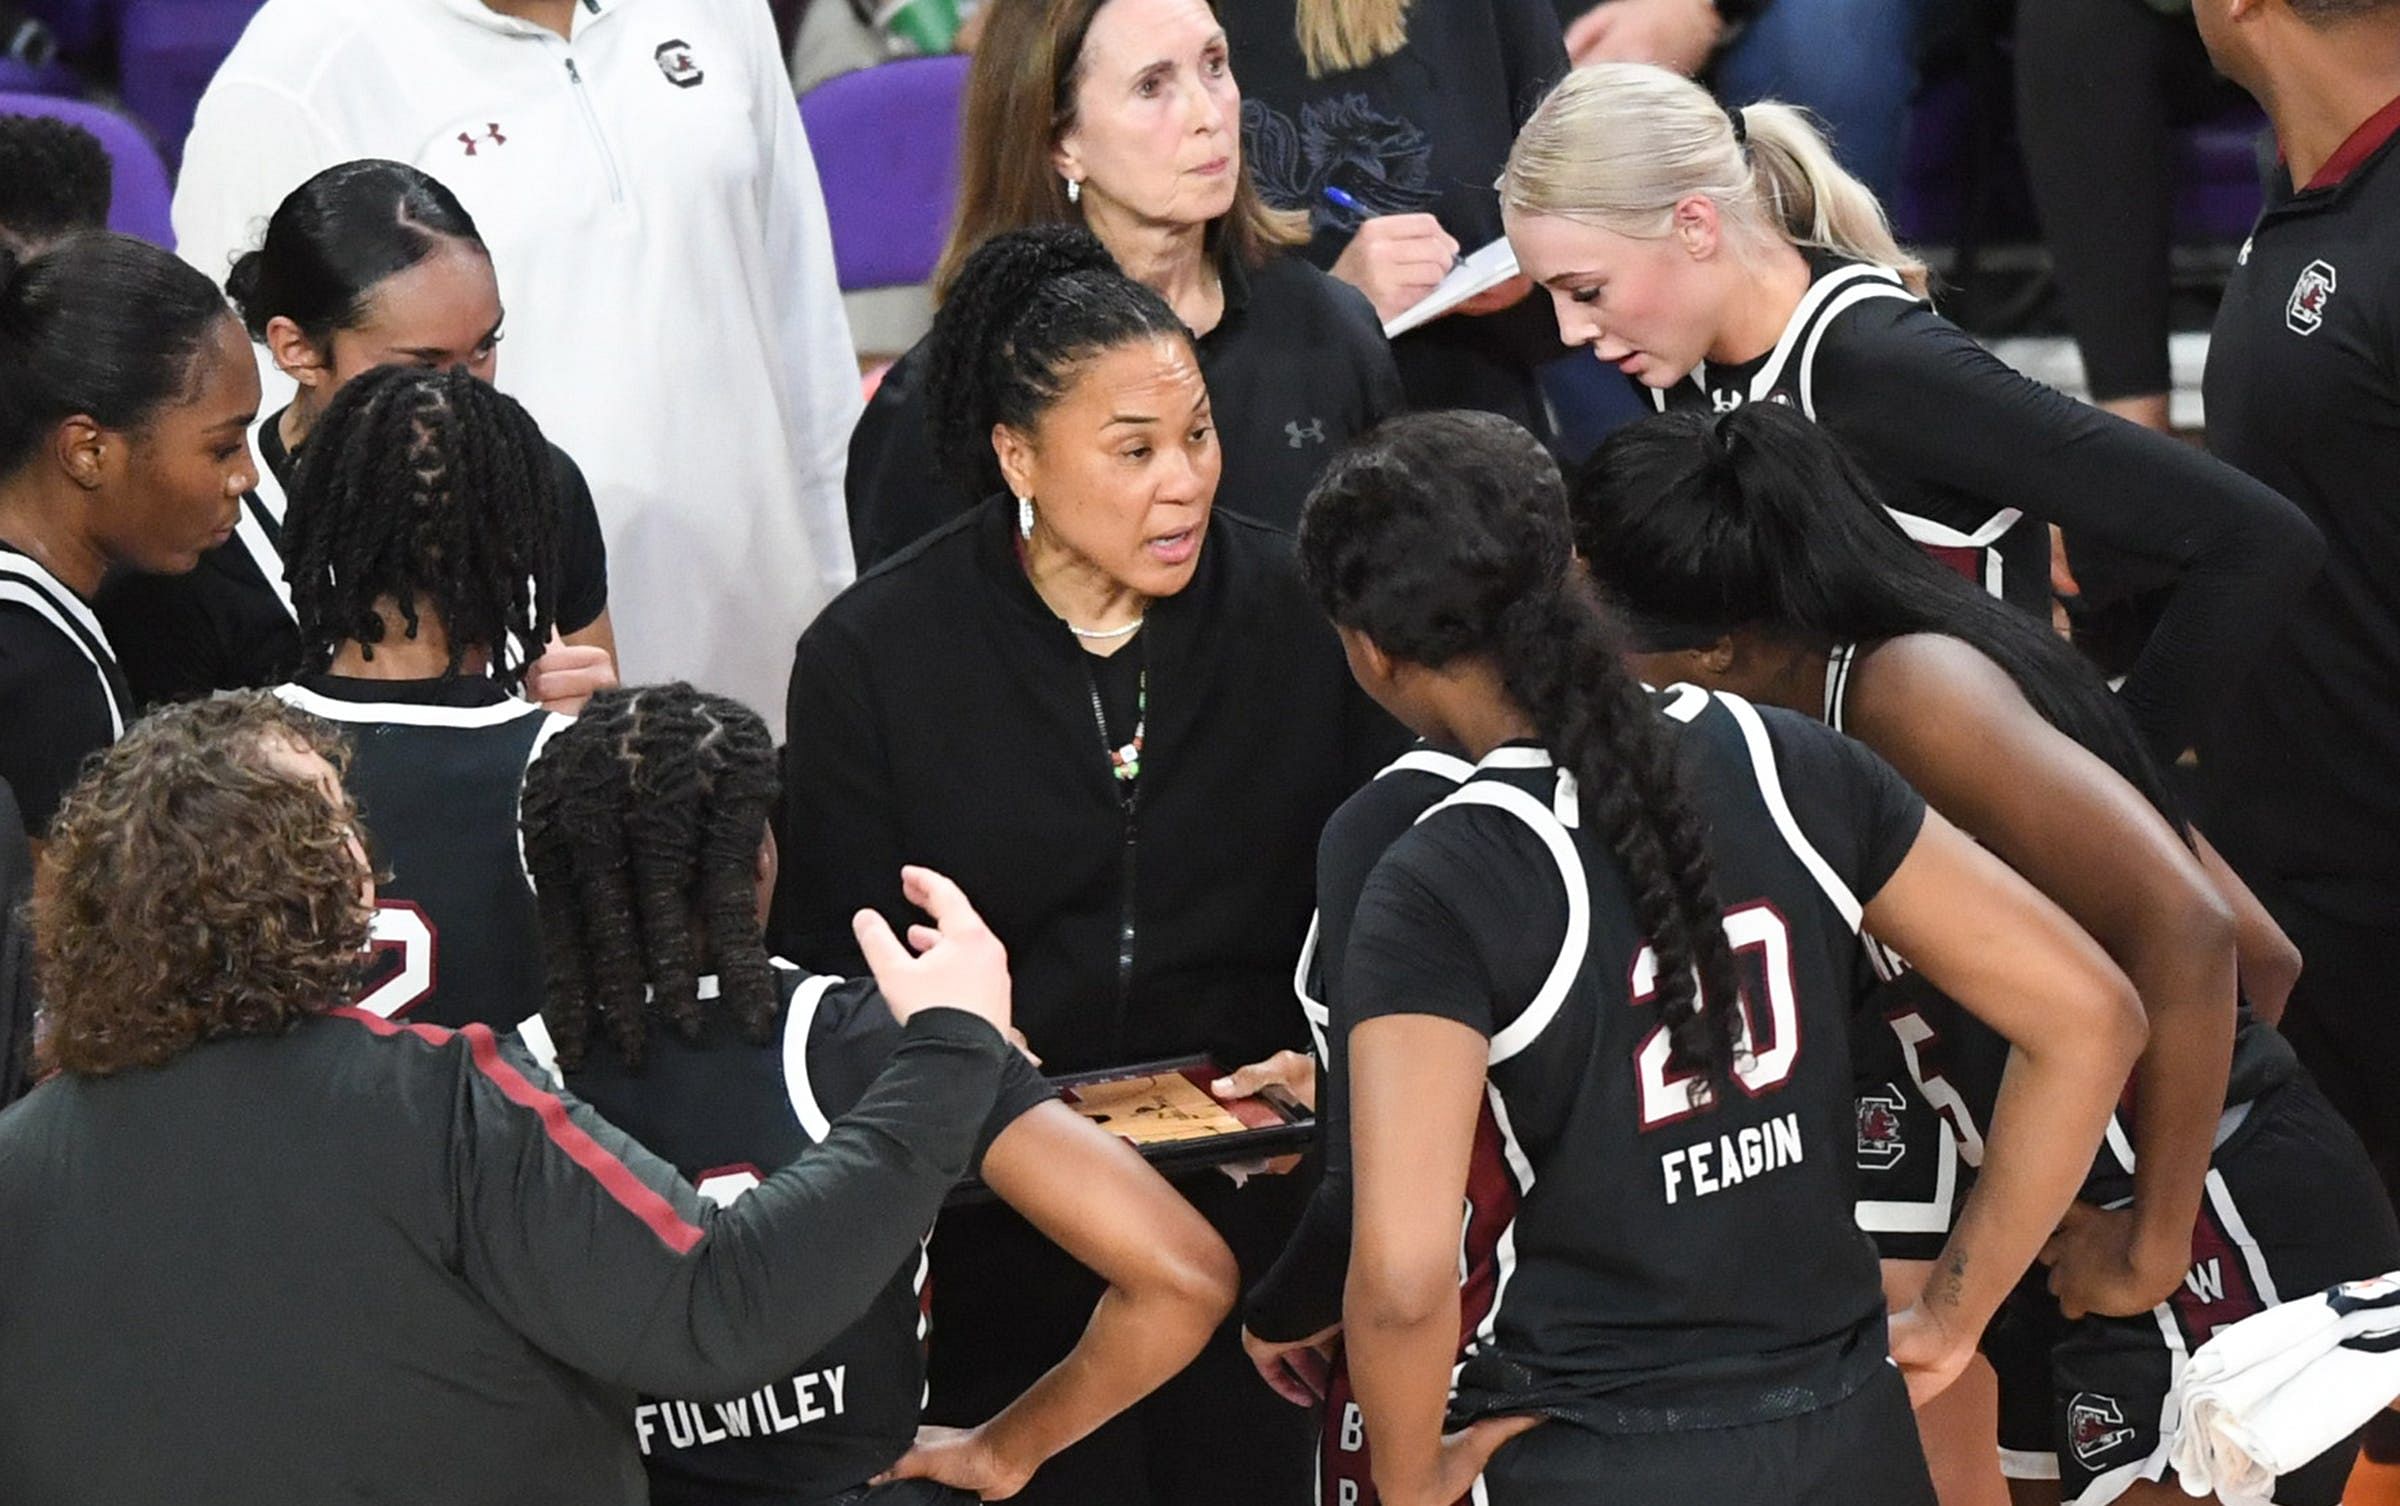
(642, 824)
(100, 325)
(1702, 526)
(336, 237)
(1026, 307)
(433, 490)
(1444, 535)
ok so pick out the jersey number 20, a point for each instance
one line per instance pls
(1752, 931)
(402, 941)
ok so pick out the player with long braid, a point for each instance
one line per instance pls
(423, 549)
(1622, 1170)
(646, 827)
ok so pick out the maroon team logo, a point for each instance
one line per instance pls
(491, 137)
(2095, 1425)
(2310, 294)
(1880, 1147)
(676, 62)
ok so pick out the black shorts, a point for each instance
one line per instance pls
(1860, 1451)
(2292, 1207)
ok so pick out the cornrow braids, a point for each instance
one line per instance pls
(1444, 535)
(434, 492)
(642, 824)
(1028, 307)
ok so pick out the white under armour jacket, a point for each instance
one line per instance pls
(2275, 1390)
(653, 213)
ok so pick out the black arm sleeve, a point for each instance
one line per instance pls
(1922, 399)
(582, 551)
(601, 1255)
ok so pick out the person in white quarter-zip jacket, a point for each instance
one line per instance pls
(639, 171)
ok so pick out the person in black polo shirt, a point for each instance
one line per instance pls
(1123, 116)
(126, 391)
(261, 1247)
(366, 264)
(2300, 777)
(1111, 707)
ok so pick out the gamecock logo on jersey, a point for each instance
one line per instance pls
(2310, 294)
(2095, 1424)
(676, 62)
(1880, 1147)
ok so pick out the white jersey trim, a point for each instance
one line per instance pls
(266, 496)
(499, 713)
(1883, 282)
(1316, 1012)
(1850, 298)
(1770, 788)
(806, 1000)
(1838, 664)
(24, 581)
(1527, 1027)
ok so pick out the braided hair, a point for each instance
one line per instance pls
(433, 491)
(1700, 526)
(642, 823)
(1027, 309)
(1442, 536)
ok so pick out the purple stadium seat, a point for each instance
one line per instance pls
(139, 205)
(167, 51)
(886, 144)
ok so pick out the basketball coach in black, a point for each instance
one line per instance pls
(262, 1250)
(2300, 777)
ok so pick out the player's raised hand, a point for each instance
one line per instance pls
(956, 963)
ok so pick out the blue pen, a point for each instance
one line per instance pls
(1341, 200)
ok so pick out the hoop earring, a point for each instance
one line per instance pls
(1074, 190)
(1025, 517)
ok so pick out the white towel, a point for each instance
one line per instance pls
(2266, 1395)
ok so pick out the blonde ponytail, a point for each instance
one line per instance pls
(1339, 35)
(1619, 145)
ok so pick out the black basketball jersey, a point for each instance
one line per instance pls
(728, 1113)
(1634, 1260)
(1955, 1061)
(437, 769)
(1850, 310)
(62, 696)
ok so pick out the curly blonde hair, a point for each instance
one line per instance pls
(191, 891)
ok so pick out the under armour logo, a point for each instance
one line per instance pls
(470, 140)
(1725, 399)
(1313, 434)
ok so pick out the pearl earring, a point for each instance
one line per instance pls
(1074, 190)
(1024, 517)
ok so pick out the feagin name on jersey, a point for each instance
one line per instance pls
(1711, 1166)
